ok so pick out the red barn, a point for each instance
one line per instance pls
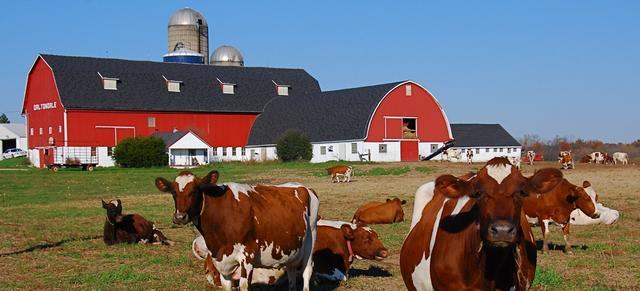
(88, 105)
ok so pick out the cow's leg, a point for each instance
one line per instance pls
(565, 234)
(544, 226)
(226, 282)
(245, 279)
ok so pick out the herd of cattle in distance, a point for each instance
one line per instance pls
(467, 232)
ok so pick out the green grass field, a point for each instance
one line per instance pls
(52, 223)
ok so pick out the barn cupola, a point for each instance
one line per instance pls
(227, 88)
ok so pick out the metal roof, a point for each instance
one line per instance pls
(142, 86)
(226, 55)
(187, 16)
(481, 135)
(20, 130)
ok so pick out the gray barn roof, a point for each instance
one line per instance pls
(141, 86)
(20, 130)
(324, 116)
(479, 135)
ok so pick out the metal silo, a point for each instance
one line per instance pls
(189, 28)
(227, 55)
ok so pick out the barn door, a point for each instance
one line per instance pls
(342, 151)
(409, 150)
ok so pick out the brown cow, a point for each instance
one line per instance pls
(472, 234)
(566, 160)
(340, 171)
(586, 159)
(555, 202)
(337, 245)
(248, 227)
(130, 228)
(380, 212)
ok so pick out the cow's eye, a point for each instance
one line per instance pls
(522, 193)
(477, 195)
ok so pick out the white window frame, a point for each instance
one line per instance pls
(172, 85)
(50, 130)
(354, 147)
(407, 90)
(109, 83)
(323, 150)
(283, 90)
(59, 128)
(215, 151)
(233, 151)
(243, 151)
(227, 88)
(40, 130)
(31, 131)
(383, 148)
(151, 121)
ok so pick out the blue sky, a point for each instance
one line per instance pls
(566, 68)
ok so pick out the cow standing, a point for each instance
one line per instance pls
(531, 156)
(130, 228)
(555, 200)
(451, 154)
(597, 157)
(470, 233)
(469, 156)
(566, 160)
(247, 227)
(621, 157)
(380, 212)
(337, 172)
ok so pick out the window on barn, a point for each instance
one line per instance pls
(215, 151)
(486, 150)
(501, 149)
(508, 150)
(478, 151)
(109, 83)
(109, 151)
(330, 148)
(495, 150)
(243, 152)
(59, 128)
(409, 129)
(224, 152)
(233, 152)
(173, 86)
(228, 89)
(31, 131)
(354, 148)
(40, 130)
(151, 121)
(323, 150)
(407, 90)
(382, 148)
(434, 147)
(283, 90)
(50, 130)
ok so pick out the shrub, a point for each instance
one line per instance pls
(139, 152)
(293, 145)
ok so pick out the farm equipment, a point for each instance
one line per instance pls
(71, 157)
(446, 145)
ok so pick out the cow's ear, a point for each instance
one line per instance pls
(544, 180)
(453, 187)
(347, 231)
(119, 203)
(104, 204)
(586, 184)
(388, 199)
(403, 202)
(163, 185)
(211, 178)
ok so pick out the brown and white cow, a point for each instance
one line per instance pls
(130, 228)
(375, 212)
(597, 157)
(620, 157)
(337, 172)
(247, 227)
(555, 200)
(471, 233)
(566, 160)
(469, 156)
(337, 245)
(531, 156)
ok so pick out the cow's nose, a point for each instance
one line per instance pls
(595, 215)
(502, 231)
(180, 218)
(383, 253)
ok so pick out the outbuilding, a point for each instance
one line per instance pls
(12, 135)
(185, 149)
(486, 141)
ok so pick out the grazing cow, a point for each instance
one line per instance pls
(597, 157)
(586, 159)
(607, 215)
(130, 228)
(451, 154)
(620, 157)
(247, 227)
(471, 233)
(469, 156)
(337, 245)
(336, 172)
(607, 158)
(554, 200)
(566, 160)
(531, 155)
(380, 212)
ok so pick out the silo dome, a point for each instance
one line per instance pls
(227, 55)
(187, 16)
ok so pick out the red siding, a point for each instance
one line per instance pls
(103, 128)
(431, 121)
(40, 96)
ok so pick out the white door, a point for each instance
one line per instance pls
(342, 151)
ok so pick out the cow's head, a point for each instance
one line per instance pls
(364, 242)
(582, 200)
(187, 191)
(498, 189)
(396, 204)
(114, 210)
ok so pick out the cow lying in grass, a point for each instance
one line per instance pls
(386, 212)
(337, 245)
(130, 228)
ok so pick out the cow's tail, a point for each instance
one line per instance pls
(311, 235)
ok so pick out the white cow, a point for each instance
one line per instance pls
(620, 157)
(469, 156)
(607, 215)
(515, 161)
(531, 155)
(451, 154)
(597, 157)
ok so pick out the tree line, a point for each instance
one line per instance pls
(579, 147)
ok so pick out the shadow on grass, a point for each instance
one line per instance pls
(563, 248)
(44, 246)
(373, 271)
